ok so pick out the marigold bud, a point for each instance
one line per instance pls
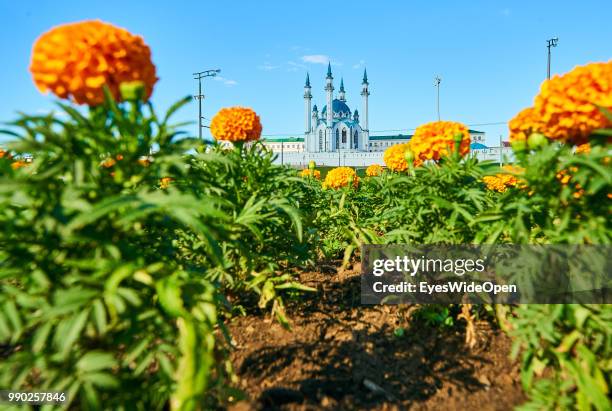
(132, 90)
(536, 140)
(311, 165)
(409, 156)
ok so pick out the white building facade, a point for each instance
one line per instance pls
(375, 143)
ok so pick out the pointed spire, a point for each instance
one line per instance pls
(314, 109)
(307, 80)
(365, 77)
(341, 84)
(329, 73)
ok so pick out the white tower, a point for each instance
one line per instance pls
(307, 105)
(313, 135)
(341, 95)
(329, 88)
(365, 93)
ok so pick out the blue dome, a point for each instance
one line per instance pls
(340, 108)
(477, 146)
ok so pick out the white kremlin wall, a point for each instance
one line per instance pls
(364, 159)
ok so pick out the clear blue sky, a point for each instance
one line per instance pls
(491, 55)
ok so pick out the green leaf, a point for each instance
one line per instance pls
(99, 316)
(267, 294)
(169, 291)
(293, 285)
(175, 107)
(67, 335)
(96, 361)
(39, 341)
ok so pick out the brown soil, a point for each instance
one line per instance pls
(340, 355)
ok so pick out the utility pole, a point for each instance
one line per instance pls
(437, 81)
(550, 43)
(501, 150)
(199, 76)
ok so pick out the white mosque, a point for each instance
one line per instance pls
(337, 128)
(339, 136)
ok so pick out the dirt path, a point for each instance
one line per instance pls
(343, 356)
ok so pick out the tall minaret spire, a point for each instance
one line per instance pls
(365, 93)
(307, 105)
(341, 95)
(329, 89)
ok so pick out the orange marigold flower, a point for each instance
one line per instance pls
(432, 141)
(76, 60)
(565, 178)
(164, 182)
(108, 163)
(236, 124)
(583, 148)
(502, 181)
(374, 170)
(524, 124)
(567, 105)
(394, 157)
(18, 164)
(341, 177)
(316, 174)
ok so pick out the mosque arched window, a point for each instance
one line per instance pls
(337, 138)
(355, 139)
(343, 136)
(320, 140)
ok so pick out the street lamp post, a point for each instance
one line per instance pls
(437, 81)
(199, 76)
(550, 43)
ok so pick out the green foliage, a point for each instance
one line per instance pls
(547, 210)
(436, 203)
(562, 198)
(435, 315)
(341, 219)
(112, 280)
(575, 342)
(567, 347)
(89, 288)
(262, 221)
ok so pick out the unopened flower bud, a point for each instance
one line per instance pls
(409, 156)
(132, 90)
(537, 140)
